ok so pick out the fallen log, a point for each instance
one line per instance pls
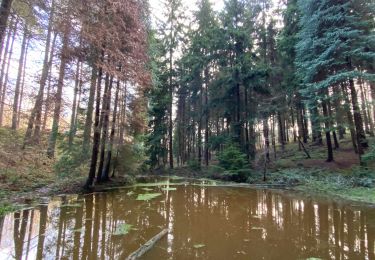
(147, 246)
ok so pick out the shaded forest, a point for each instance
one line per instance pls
(104, 88)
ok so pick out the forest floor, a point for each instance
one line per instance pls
(28, 176)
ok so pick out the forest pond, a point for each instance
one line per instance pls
(205, 221)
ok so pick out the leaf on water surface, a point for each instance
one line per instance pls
(169, 189)
(122, 229)
(197, 246)
(71, 206)
(148, 196)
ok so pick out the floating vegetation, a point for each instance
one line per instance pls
(148, 196)
(152, 184)
(197, 246)
(122, 229)
(169, 189)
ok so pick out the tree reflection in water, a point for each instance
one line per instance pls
(231, 223)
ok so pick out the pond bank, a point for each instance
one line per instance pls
(355, 185)
(309, 182)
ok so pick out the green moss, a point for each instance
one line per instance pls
(6, 208)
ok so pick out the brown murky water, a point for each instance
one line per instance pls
(204, 222)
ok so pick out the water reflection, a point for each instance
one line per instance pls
(231, 223)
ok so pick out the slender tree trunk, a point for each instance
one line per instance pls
(316, 128)
(339, 111)
(35, 116)
(363, 107)
(327, 132)
(369, 126)
(19, 79)
(349, 115)
(329, 107)
(281, 130)
(106, 109)
(46, 65)
(5, 7)
(105, 176)
(361, 137)
(266, 138)
(22, 84)
(372, 87)
(5, 82)
(5, 54)
(47, 98)
(72, 130)
(96, 139)
(89, 112)
(170, 108)
(207, 117)
(123, 115)
(58, 99)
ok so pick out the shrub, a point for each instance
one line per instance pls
(232, 158)
(194, 165)
(130, 158)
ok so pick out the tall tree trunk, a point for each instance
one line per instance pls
(6, 75)
(22, 84)
(72, 130)
(123, 115)
(106, 109)
(327, 132)
(369, 126)
(58, 99)
(36, 113)
(200, 117)
(89, 112)
(364, 107)
(5, 7)
(339, 111)
(315, 124)
(281, 130)
(207, 117)
(372, 87)
(19, 79)
(170, 110)
(96, 139)
(350, 119)
(361, 137)
(105, 175)
(4, 55)
(266, 138)
(49, 86)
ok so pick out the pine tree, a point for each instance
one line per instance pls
(329, 41)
